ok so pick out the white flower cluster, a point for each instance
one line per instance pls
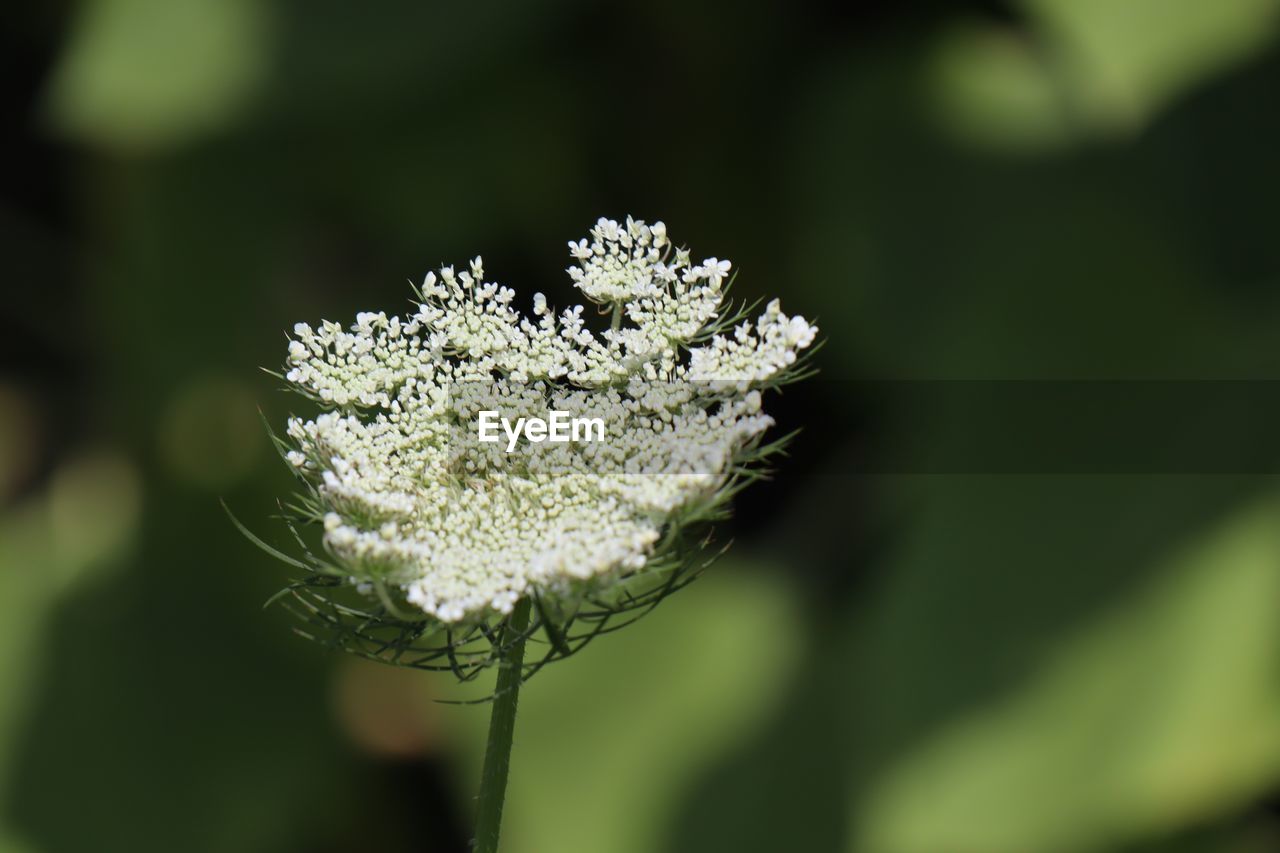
(412, 501)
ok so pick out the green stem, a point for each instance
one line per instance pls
(616, 321)
(502, 725)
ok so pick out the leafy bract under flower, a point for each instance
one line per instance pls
(417, 510)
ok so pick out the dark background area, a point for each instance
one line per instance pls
(1016, 589)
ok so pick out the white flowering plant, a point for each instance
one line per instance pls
(439, 550)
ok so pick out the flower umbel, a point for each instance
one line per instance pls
(438, 535)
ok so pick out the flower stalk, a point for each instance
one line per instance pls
(502, 723)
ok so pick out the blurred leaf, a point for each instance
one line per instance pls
(162, 684)
(1163, 711)
(992, 86)
(151, 73)
(1124, 61)
(1094, 264)
(1019, 622)
(607, 744)
(10, 844)
(48, 543)
(1081, 68)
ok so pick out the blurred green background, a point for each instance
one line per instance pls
(935, 661)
